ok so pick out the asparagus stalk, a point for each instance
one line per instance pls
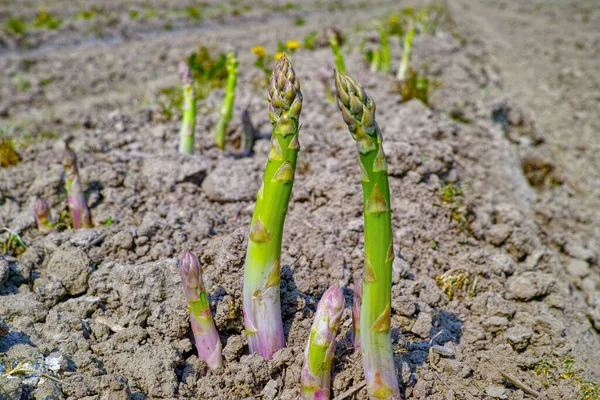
(80, 213)
(227, 107)
(205, 333)
(316, 371)
(376, 60)
(262, 309)
(406, 52)
(337, 51)
(386, 55)
(356, 304)
(41, 210)
(188, 123)
(249, 134)
(358, 111)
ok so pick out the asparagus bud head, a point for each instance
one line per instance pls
(80, 213)
(185, 73)
(318, 356)
(205, 333)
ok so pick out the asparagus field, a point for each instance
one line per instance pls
(299, 199)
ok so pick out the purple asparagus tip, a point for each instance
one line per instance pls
(185, 73)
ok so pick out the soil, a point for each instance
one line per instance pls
(495, 189)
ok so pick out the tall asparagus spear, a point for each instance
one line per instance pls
(262, 309)
(227, 107)
(80, 213)
(41, 210)
(188, 123)
(408, 38)
(316, 371)
(205, 333)
(386, 54)
(358, 111)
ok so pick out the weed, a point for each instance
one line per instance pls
(459, 211)
(21, 82)
(193, 12)
(8, 154)
(566, 368)
(415, 86)
(450, 191)
(457, 281)
(133, 14)
(309, 40)
(13, 244)
(15, 26)
(300, 21)
(45, 19)
(209, 71)
(87, 14)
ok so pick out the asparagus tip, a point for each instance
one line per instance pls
(185, 72)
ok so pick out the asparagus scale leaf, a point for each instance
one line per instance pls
(205, 333)
(262, 308)
(43, 217)
(320, 349)
(188, 123)
(358, 111)
(80, 213)
(227, 107)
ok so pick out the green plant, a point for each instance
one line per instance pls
(408, 38)
(415, 86)
(227, 107)
(358, 111)
(334, 42)
(45, 19)
(205, 332)
(13, 243)
(455, 281)
(320, 349)
(15, 26)
(309, 40)
(262, 309)
(8, 154)
(188, 121)
(209, 71)
(193, 12)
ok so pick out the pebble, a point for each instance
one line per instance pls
(518, 337)
(270, 390)
(497, 234)
(530, 285)
(422, 325)
(577, 250)
(497, 392)
(495, 324)
(578, 268)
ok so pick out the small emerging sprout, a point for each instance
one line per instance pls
(320, 349)
(188, 122)
(406, 52)
(80, 213)
(205, 333)
(332, 36)
(43, 217)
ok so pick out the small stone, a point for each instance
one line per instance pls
(530, 285)
(578, 268)
(518, 337)
(497, 234)
(270, 390)
(234, 348)
(422, 325)
(577, 250)
(497, 392)
(495, 324)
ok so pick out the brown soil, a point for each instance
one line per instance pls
(495, 185)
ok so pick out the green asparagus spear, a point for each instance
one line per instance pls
(386, 54)
(188, 123)
(358, 111)
(332, 35)
(227, 107)
(262, 309)
(408, 38)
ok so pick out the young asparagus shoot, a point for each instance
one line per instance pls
(41, 210)
(334, 42)
(262, 308)
(227, 107)
(249, 134)
(408, 38)
(204, 330)
(356, 304)
(188, 122)
(320, 349)
(386, 53)
(80, 213)
(358, 111)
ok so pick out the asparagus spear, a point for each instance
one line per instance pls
(356, 304)
(316, 371)
(358, 111)
(188, 123)
(205, 333)
(80, 214)
(332, 35)
(386, 55)
(41, 210)
(262, 309)
(408, 38)
(227, 107)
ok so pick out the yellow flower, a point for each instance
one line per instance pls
(292, 44)
(259, 51)
(278, 55)
(394, 19)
